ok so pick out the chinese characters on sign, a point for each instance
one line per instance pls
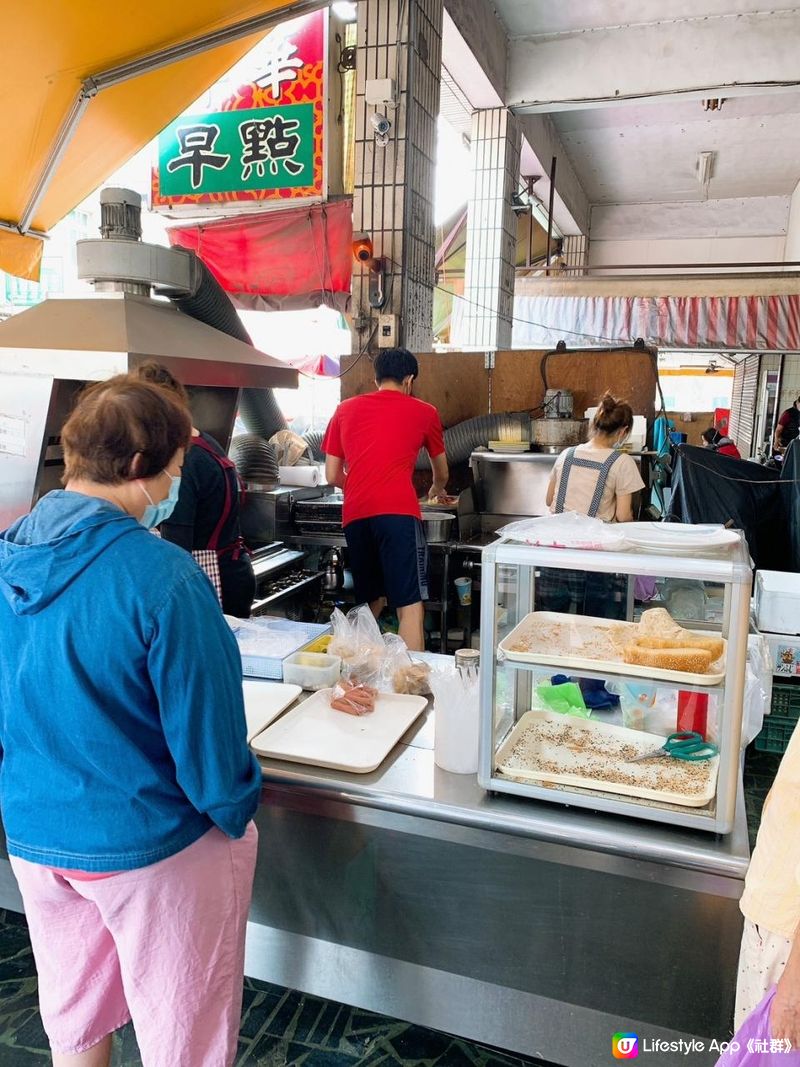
(266, 140)
(281, 65)
(197, 151)
(270, 140)
(264, 148)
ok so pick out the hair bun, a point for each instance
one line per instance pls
(611, 415)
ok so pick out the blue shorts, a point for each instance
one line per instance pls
(388, 556)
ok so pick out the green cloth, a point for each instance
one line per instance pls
(565, 699)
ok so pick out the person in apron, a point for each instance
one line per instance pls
(205, 520)
(597, 480)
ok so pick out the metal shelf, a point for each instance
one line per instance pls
(284, 594)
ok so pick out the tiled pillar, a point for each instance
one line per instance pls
(491, 231)
(394, 184)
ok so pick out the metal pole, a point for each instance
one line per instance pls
(60, 145)
(550, 213)
(144, 65)
(13, 227)
(691, 266)
(208, 41)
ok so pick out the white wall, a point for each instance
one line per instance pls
(792, 252)
(689, 250)
(744, 230)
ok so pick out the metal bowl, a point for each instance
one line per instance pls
(437, 526)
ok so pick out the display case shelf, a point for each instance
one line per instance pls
(598, 672)
(511, 573)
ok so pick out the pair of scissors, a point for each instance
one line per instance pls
(688, 746)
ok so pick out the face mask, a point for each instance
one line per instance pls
(155, 514)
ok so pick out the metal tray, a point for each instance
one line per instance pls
(603, 734)
(570, 658)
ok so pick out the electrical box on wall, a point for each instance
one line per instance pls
(387, 331)
(379, 91)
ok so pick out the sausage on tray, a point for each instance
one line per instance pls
(353, 698)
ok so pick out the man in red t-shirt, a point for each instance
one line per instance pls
(371, 448)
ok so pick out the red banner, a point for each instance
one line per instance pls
(281, 259)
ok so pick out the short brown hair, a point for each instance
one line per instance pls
(157, 373)
(612, 415)
(113, 421)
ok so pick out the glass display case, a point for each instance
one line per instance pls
(592, 659)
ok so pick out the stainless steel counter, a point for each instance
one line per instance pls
(410, 783)
(528, 926)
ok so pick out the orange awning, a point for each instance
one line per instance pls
(84, 84)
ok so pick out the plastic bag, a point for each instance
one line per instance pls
(290, 449)
(380, 661)
(757, 688)
(358, 640)
(400, 674)
(753, 1045)
(456, 720)
(568, 530)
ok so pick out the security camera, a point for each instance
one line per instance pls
(380, 124)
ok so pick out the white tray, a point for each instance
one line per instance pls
(572, 658)
(643, 742)
(677, 539)
(315, 733)
(264, 701)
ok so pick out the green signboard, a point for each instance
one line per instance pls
(234, 151)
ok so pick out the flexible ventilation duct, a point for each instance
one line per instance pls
(255, 458)
(314, 439)
(460, 441)
(211, 304)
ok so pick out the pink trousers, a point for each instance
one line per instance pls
(162, 945)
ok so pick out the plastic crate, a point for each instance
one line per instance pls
(780, 724)
(263, 662)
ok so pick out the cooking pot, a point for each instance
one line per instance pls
(437, 526)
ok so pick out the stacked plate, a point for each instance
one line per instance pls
(675, 538)
(509, 446)
(255, 458)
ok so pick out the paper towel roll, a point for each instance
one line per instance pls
(299, 475)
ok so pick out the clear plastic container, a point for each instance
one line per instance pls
(312, 670)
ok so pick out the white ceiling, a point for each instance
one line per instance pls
(647, 153)
(533, 18)
(644, 153)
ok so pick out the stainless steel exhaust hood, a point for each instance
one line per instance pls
(109, 333)
(49, 352)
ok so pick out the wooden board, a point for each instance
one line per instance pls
(457, 383)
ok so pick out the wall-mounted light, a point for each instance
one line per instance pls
(362, 247)
(705, 166)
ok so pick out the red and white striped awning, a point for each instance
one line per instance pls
(752, 323)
